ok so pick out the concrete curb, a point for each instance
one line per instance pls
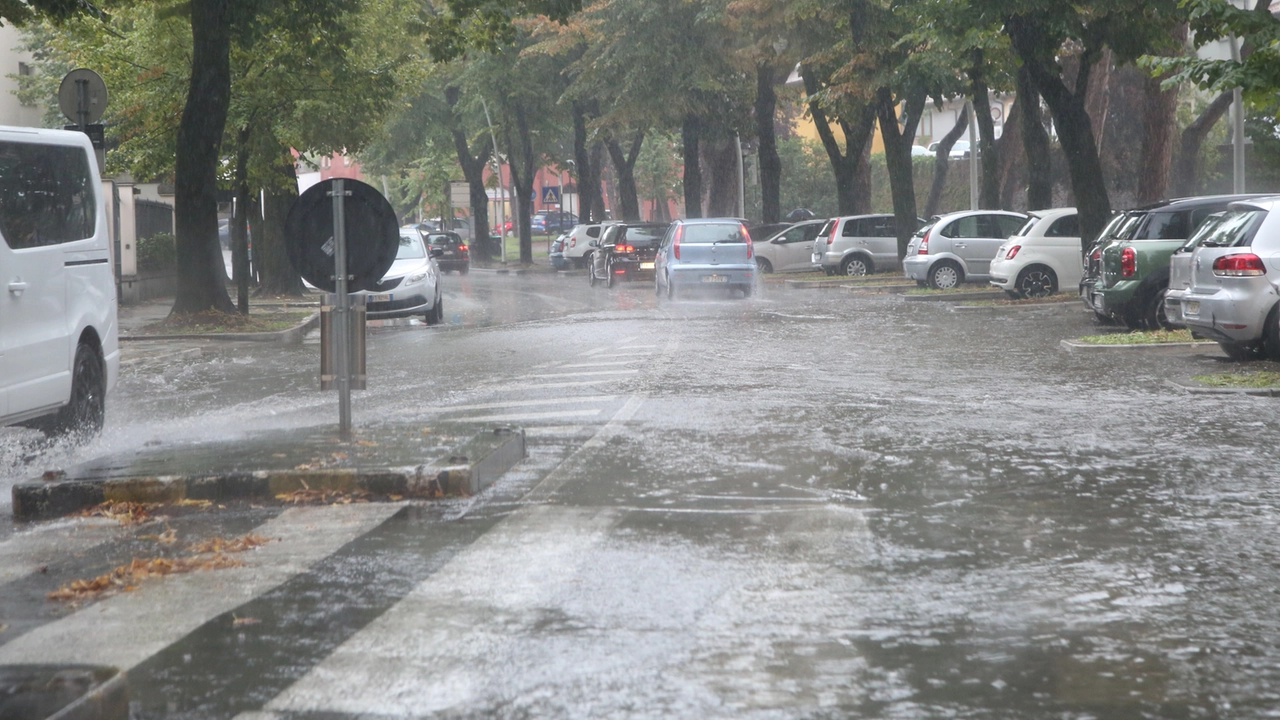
(1002, 308)
(108, 701)
(1170, 348)
(470, 468)
(288, 336)
(1204, 390)
(956, 297)
(815, 284)
(502, 271)
(885, 289)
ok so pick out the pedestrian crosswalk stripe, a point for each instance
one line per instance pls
(583, 374)
(551, 386)
(124, 630)
(530, 403)
(26, 552)
(523, 417)
(602, 364)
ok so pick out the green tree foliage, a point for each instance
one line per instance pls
(1257, 31)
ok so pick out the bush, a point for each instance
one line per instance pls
(158, 252)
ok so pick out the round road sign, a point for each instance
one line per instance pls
(93, 102)
(373, 235)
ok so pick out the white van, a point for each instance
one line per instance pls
(59, 351)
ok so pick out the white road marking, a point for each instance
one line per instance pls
(124, 630)
(601, 364)
(548, 386)
(520, 417)
(530, 403)
(27, 551)
(581, 374)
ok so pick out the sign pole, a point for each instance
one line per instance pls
(342, 312)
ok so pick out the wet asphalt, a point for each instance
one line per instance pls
(806, 504)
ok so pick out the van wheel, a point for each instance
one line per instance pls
(945, 276)
(854, 266)
(84, 414)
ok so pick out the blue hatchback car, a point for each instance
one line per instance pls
(705, 253)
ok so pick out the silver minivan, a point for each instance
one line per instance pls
(59, 353)
(857, 245)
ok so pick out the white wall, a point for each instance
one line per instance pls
(13, 112)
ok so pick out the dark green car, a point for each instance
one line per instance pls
(1134, 267)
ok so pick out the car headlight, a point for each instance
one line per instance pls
(414, 278)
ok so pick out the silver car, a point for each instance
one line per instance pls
(1232, 297)
(411, 286)
(790, 249)
(1180, 270)
(959, 247)
(705, 253)
(857, 245)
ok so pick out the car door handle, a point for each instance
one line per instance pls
(961, 245)
(17, 286)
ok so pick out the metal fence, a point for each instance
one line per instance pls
(152, 217)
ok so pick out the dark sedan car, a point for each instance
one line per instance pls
(454, 255)
(625, 252)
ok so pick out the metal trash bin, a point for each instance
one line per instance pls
(356, 330)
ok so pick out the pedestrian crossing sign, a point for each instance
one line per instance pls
(551, 195)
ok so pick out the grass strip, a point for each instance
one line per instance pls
(1146, 337)
(1240, 380)
(214, 323)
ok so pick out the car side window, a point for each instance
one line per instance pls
(965, 227)
(46, 195)
(1006, 225)
(593, 232)
(795, 235)
(854, 227)
(1065, 226)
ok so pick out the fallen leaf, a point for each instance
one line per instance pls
(222, 545)
(168, 537)
(367, 443)
(238, 621)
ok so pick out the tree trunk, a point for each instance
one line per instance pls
(1075, 130)
(1035, 143)
(986, 152)
(942, 163)
(1186, 176)
(770, 163)
(624, 164)
(590, 205)
(522, 173)
(862, 174)
(721, 160)
(473, 167)
(850, 197)
(1160, 122)
(897, 157)
(599, 207)
(240, 222)
(1011, 154)
(201, 277)
(691, 136)
(278, 275)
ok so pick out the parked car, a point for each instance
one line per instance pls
(556, 254)
(547, 222)
(1234, 274)
(1042, 257)
(411, 286)
(1120, 225)
(578, 250)
(705, 253)
(766, 230)
(625, 251)
(454, 253)
(959, 150)
(1135, 268)
(790, 250)
(1180, 270)
(461, 226)
(59, 350)
(959, 247)
(857, 244)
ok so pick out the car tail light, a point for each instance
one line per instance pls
(924, 244)
(751, 250)
(1128, 262)
(832, 237)
(675, 246)
(626, 248)
(1013, 252)
(619, 272)
(1239, 265)
(463, 248)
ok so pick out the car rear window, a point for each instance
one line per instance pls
(444, 239)
(46, 195)
(707, 233)
(1235, 229)
(644, 236)
(1066, 226)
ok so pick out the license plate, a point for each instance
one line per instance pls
(385, 297)
(715, 278)
(1191, 307)
(646, 266)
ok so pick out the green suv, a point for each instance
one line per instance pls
(1134, 267)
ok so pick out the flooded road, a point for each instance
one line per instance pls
(807, 504)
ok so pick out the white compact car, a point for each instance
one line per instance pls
(59, 352)
(411, 286)
(1043, 257)
(577, 247)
